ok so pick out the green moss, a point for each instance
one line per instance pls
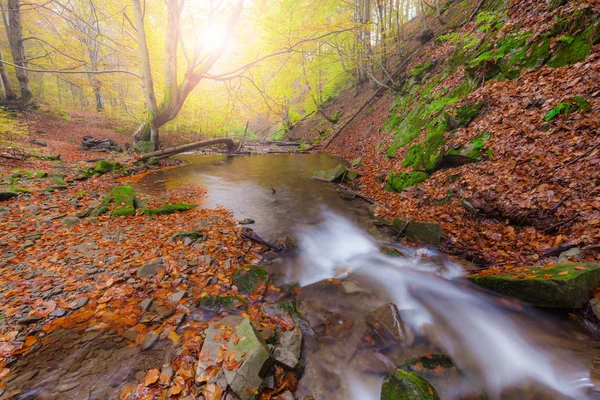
(105, 166)
(467, 113)
(330, 175)
(219, 304)
(123, 198)
(400, 181)
(413, 156)
(572, 52)
(144, 146)
(17, 189)
(41, 174)
(250, 278)
(420, 69)
(168, 209)
(560, 286)
(403, 385)
(391, 151)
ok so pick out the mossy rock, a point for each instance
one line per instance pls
(41, 174)
(559, 286)
(400, 181)
(404, 385)
(572, 49)
(143, 146)
(153, 161)
(18, 189)
(470, 153)
(123, 198)
(428, 233)
(105, 166)
(250, 279)
(169, 209)
(331, 175)
(220, 304)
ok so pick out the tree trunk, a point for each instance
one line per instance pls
(15, 37)
(99, 99)
(187, 147)
(149, 130)
(8, 91)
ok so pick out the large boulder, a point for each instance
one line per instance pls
(289, 348)
(7, 194)
(559, 286)
(91, 144)
(249, 363)
(251, 279)
(330, 175)
(404, 385)
(211, 347)
(428, 233)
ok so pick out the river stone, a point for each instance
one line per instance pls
(403, 385)
(248, 380)
(150, 269)
(289, 348)
(565, 285)
(565, 255)
(595, 306)
(212, 344)
(428, 233)
(386, 322)
(219, 304)
(250, 278)
(331, 175)
(349, 195)
(69, 221)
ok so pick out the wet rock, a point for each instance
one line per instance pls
(256, 360)
(287, 395)
(425, 232)
(250, 279)
(28, 320)
(386, 322)
(219, 304)
(150, 269)
(149, 340)
(373, 362)
(246, 221)
(349, 195)
(559, 286)
(289, 348)
(403, 385)
(212, 344)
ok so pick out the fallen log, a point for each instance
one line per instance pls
(187, 147)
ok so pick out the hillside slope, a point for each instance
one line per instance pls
(494, 134)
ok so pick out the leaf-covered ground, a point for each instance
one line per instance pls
(62, 276)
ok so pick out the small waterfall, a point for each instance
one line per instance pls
(496, 342)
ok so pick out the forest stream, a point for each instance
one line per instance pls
(501, 347)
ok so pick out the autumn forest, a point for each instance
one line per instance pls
(299, 199)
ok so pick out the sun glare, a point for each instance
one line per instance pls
(214, 37)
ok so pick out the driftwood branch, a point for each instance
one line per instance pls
(188, 147)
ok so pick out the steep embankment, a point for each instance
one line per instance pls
(494, 133)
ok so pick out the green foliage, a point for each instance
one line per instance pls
(577, 103)
(400, 181)
(451, 37)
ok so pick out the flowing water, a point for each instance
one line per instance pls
(502, 348)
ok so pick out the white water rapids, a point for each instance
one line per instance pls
(493, 341)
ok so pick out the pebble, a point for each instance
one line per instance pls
(28, 319)
(58, 313)
(80, 302)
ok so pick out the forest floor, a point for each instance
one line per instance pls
(82, 296)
